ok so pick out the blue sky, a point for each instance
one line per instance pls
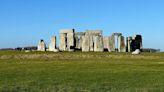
(24, 22)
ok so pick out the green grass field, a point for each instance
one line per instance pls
(81, 72)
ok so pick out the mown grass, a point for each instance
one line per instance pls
(81, 72)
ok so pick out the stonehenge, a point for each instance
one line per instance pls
(91, 41)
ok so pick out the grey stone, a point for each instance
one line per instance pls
(67, 40)
(63, 31)
(78, 42)
(41, 46)
(78, 39)
(98, 44)
(91, 43)
(106, 42)
(112, 43)
(94, 32)
(122, 44)
(85, 43)
(52, 45)
(80, 33)
(129, 44)
(62, 42)
(70, 42)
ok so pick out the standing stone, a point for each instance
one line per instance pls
(41, 46)
(112, 43)
(138, 42)
(91, 36)
(119, 43)
(91, 43)
(70, 41)
(80, 42)
(122, 44)
(106, 43)
(129, 44)
(85, 43)
(67, 40)
(98, 45)
(76, 41)
(52, 45)
(62, 42)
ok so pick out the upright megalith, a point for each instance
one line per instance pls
(78, 40)
(98, 45)
(41, 45)
(86, 43)
(129, 43)
(106, 43)
(92, 41)
(115, 42)
(52, 44)
(122, 44)
(62, 42)
(134, 43)
(137, 42)
(111, 43)
(67, 40)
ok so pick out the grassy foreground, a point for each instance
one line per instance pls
(81, 72)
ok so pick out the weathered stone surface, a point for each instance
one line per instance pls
(85, 43)
(67, 40)
(98, 44)
(52, 44)
(78, 42)
(106, 43)
(62, 42)
(112, 43)
(78, 39)
(91, 43)
(129, 44)
(63, 31)
(117, 34)
(80, 33)
(70, 42)
(138, 42)
(41, 46)
(94, 32)
(122, 44)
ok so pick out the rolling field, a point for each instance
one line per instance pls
(81, 72)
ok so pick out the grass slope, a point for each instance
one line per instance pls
(81, 72)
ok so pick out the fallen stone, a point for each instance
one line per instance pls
(136, 52)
